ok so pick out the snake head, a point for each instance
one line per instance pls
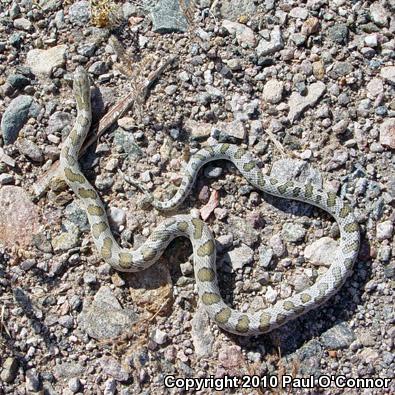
(81, 86)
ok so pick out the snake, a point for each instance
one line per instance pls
(203, 243)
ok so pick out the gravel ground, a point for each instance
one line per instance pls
(307, 86)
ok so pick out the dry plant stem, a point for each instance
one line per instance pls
(112, 116)
(119, 109)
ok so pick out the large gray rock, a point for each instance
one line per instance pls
(380, 16)
(239, 257)
(105, 318)
(50, 5)
(9, 370)
(202, 336)
(167, 16)
(125, 141)
(79, 13)
(15, 117)
(232, 10)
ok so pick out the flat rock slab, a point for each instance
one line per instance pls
(167, 16)
(197, 130)
(233, 10)
(338, 337)
(43, 61)
(298, 103)
(152, 288)
(243, 33)
(19, 217)
(202, 336)
(104, 318)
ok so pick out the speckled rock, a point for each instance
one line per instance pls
(104, 318)
(42, 62)
(126, 143)
(68, 239)
(9, 370)
(197, 130)
(79, 12)
(293, 232)
(19, 217)
(234, 10)
(167, 16)
(30, 149)
(338, 337)
(202, 336)
(273, 91)
(387, 133)
(385, 230)
(113, 368)
(379, 14)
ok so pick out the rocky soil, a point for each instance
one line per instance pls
(306, 86)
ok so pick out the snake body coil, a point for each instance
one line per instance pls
(203, 244)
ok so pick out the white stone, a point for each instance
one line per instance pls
(234, 129)
(371, 40)
(298, 103)
(159, 336)
(387, 133)
(184, 76)
(379, 14)
(341, 126)
(22, 24)
(388, 73)
(198, 130)
(375, 87)
(117, 216)
(273, 91)
(271, 295)
(239, 257)
(126, 123)
(321, 251)
(268, 47)
(145, 176)
(42, 62)
(242, 32)
(384, 230)
(299, 12)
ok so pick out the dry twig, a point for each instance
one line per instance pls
(112, 116)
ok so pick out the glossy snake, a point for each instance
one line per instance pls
(249, 323)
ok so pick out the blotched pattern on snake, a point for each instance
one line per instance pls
(249, 323)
